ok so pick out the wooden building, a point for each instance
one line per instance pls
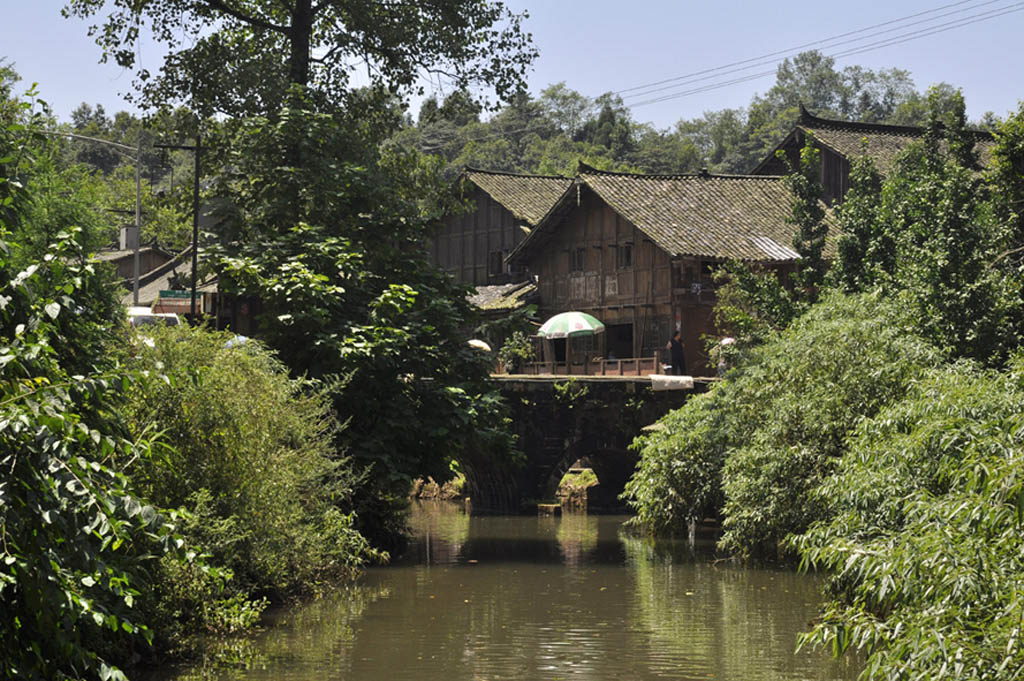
(842, 141)
(123, 260)
(504, 207)
(637, 252)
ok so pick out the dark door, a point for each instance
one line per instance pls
(619, 340)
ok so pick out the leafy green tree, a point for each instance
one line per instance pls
(866, 249)
(754, 450)
(567, 108)
(923, 550)
(808, 216)
(459, 108)
(271, 46)
(94, 123)
(253, 463)
(715, 135)
(75, 537)
(752, 304)
(334, 252)
(936, 205)
(612, 128)
(1007, 170)
(663, 152)
(914, 109)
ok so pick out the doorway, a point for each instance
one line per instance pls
(619, 340)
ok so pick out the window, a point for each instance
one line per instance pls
(576, 259)
(624, 256)
(495, 263)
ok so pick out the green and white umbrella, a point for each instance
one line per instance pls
(568, 324)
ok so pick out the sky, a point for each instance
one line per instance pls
(597, 46)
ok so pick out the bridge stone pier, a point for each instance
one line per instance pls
(559, 420)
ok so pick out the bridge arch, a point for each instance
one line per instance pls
(557, 424)
(613, 467)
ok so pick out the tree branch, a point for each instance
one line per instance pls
(246, 18)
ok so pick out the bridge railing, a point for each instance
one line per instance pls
(635, 366)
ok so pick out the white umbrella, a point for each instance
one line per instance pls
(566, 324)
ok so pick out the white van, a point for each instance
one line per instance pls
(143, 316)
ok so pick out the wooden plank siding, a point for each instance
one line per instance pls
(640, 294)
(466, 243)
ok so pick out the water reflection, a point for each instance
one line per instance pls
(491, 598)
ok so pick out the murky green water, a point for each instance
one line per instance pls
(526, 598)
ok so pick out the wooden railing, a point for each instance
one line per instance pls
(635, 366)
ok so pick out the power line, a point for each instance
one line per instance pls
(761, 61)
(753, 62)
(800, 47)
(896, 40)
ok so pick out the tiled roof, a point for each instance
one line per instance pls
(884, 142)
(503, 296)
(113, 254)
(715, 216)
(528, 197)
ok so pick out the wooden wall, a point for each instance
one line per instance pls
(835, 176)
(655, 294)
(465, 242)
(835, 168)
(638, 294)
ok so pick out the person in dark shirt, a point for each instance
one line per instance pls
(676, 347)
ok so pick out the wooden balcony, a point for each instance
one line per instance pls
(635, 366)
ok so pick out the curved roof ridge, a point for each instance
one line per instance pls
(809, 120)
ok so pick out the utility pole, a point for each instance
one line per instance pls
(198, 149)
(137, 158)
(138, 219)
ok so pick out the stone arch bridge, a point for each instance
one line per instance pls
(559, 420)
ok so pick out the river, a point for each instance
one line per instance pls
(524, 598)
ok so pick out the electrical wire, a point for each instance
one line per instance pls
(753, 62)
(896, 40)
(758, 61)
(799, 48)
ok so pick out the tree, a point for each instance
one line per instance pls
(808, 216)
(567, 108)
(938, 209)
(75, 537)
(926, 532)
(334, 251)
(253, 462)
(468, 41)
(866, 250)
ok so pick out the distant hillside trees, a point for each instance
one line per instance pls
(550, 133)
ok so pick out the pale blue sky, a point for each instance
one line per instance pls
(600, 45)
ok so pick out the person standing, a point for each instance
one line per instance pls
(676, 347)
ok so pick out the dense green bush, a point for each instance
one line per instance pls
(334, 250)
(253, 464)
(839, 363)
(925, 546)
(756, 447)
(77, 541)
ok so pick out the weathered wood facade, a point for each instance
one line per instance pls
(637, 252)
(504, 207)
(600, 263)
